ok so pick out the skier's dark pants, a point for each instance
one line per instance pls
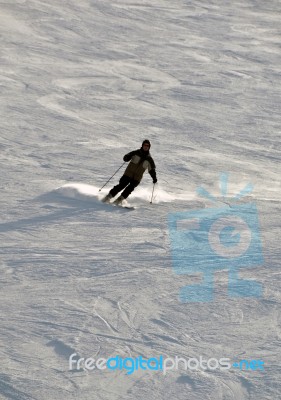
(124, 181)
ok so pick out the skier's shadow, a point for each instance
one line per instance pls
(63, 207)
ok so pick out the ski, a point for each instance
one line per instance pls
(126, 207)
(120, 206)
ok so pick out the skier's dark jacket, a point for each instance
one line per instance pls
(140, 160)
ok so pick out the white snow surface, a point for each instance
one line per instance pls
(83, 83)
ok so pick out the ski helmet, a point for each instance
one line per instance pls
(146, 141)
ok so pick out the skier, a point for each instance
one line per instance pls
(140, 160)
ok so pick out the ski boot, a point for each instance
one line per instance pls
(118, 201)
(107, 198)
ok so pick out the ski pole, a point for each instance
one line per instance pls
(112, 176)
(152, 193)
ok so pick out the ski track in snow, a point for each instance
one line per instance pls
(83, 83)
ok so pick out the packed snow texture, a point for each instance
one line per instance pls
(83, 83)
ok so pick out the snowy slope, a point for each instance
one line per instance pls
(82, 83)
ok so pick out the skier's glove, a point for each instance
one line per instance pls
(154, 180)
